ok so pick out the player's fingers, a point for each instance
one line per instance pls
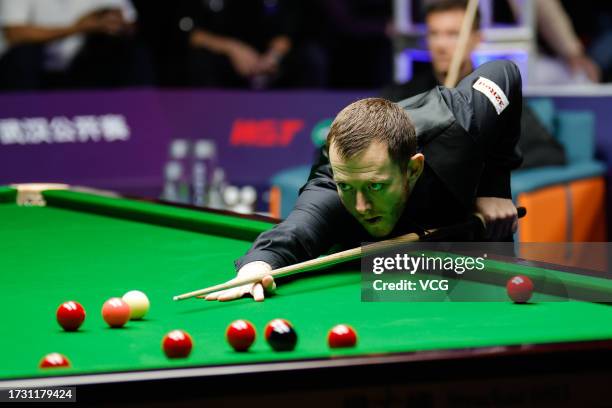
(493, 228)
(257, 292)
(508, 224)
(235, 293)
(216, 295)
(489, 225)
(212, 296)
(514, 225)
(500, 229)
(505, 229)
(268, 284)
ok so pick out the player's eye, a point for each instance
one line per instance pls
(376, 186)
(344, 187)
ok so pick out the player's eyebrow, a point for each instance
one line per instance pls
(339, 180)
(376, 179)
(373, 179)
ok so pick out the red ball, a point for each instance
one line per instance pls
(520, 289)
(341, 335)
(116, 312)
(240, 334)
(54, 360)
(177, 344)
(70, 315)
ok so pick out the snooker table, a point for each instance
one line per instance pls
(73, 244)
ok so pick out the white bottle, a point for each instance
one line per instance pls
(204, 152)
(176, 183)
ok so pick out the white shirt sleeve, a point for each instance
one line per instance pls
(15, 12)
(128, 10)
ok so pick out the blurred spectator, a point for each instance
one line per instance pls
(557, 31)
(242, 44)
(563, 57)
(592, 21)
(443, 19)
(70, 43)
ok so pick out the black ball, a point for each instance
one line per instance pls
(281, 335)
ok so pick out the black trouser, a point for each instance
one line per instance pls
(303, 67)
(21, 68)
(107, 61)
(102, 62)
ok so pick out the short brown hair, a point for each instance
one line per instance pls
(436, 6)
(374, 119)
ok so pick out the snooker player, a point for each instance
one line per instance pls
(388, 169)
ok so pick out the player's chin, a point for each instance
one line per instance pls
(378, 231)
(441, 68)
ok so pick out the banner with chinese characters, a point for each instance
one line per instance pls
(120, 139)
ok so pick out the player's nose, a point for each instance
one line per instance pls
(362, 205)
(443, 50)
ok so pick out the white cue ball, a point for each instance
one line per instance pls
(138, 302)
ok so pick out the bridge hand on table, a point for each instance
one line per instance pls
(257, 290)
(500, 215)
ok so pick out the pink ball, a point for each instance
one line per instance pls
(116, 312)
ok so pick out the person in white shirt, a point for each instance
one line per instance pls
(77, 42)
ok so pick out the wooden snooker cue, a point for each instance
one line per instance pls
(452, 77)
(311, 264)
(332, 259)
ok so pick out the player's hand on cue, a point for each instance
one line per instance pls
(257, 290)
(499, 214)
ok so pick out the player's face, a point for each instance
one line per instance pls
(442, 34)
(372, 187)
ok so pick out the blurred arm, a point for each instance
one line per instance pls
(219, 44)
(31, 34)
(556, 28)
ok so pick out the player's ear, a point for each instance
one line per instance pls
(415, 167)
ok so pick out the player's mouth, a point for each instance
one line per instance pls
(373, 220)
